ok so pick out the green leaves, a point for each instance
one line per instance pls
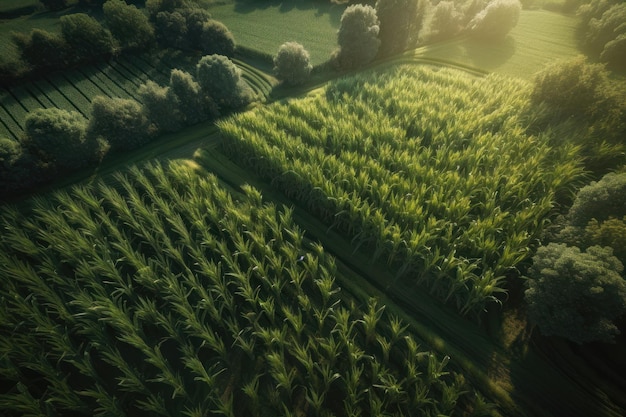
(433, 171)
(163, 293)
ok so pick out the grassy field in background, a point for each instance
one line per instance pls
(7, 6)
(267, 25)
(539, 38)
(44, 20)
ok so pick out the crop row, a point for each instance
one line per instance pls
(168, 296)
(428, 168)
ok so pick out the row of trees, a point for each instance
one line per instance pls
(58, 141)
(84, 39)
(394, 26)
(576, 285)
(603, 31)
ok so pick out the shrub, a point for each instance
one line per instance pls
(575, 294)
(120, 122)
(611, 233)
(56, 138)
(129, 25)
(18, 171)
(444, 21)
(154, 7)
(292, 63)
(614, 53)
(86, 37)
(188, 104)
(216, 39)
(576, 88)
(195, 18)
(159, 108)
(399, 20)
(357, 37)
(497, 19)
(42, 50)
(600, 200)
(171, 29)
(220, 79)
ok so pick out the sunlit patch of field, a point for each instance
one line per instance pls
(539, 38)
(265, 26)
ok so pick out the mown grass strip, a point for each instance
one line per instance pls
(35, 92)
(25, 98)
(55, 96)
(78, 99)
(147, 71)
(12, 106)
(108, 86)
(128, 87)
(87, 87)
(9, 127)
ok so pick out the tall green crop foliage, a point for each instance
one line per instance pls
(431, 170)
(167, 295)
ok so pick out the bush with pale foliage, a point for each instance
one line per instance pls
(497, 19)
(292, 63)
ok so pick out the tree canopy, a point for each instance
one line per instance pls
(574, 294)
(357, 36)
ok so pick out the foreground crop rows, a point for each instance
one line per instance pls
(169, 296)
(430, 169)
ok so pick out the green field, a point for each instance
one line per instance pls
(171, 295)
(430, 170)
(539, 38)
(264, 26)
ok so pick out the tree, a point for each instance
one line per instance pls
(497, 19)
(195, 18)
(576, 88)
(188, 103)
(220, 79)
(86, 37)
(575, 294)
(600, 200)
(159, 108)
(129, 25)
(292, 63)
(357, 36)
(154, 7)
(121, 123)
(56, 138)
(216, 39)
(400, 21)
(42, 50)
(443, 22)
(171, 29)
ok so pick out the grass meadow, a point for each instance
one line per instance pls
(539, 38)
(264, 26)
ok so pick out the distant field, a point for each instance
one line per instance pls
(45, 21)
(539, 38)
(265, 26)
(10, 5)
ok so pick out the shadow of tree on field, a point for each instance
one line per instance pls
(489, 54)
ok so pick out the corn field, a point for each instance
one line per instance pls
(166, 294)
(429, 169)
